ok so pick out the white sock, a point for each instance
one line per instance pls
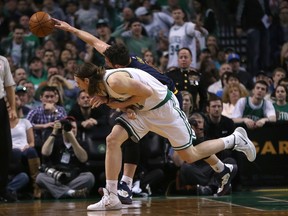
(128, 181)
(111, 186)
(218, 167)
(229, 141)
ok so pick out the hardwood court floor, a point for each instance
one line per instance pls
(256, 203)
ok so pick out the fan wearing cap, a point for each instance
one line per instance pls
(104, 34)
(157, 24)
(21, 101)
(245, 78)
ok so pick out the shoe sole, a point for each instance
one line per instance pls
(250, 144)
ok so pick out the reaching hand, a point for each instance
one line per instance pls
(62, 25)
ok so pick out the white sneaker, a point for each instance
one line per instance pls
(244, 144)
(109, 201)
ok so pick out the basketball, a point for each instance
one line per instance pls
(41, 24)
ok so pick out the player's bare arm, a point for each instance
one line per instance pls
(99, 45)
(122, 83)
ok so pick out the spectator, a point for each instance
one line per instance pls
(36, 71)
(87, 16)
(163, 62)
(136, 41)
(244, 77)
(28, 36)
(23, 148)
(32, 102)
(231, 94)
(68, 156)
(44, 116)
(156, 24)
(16, 47)
(49, 59)
(70, 10)
(127, 16)
(283, 81)
(91, 123)
(104, 34)
(281, 106)
(217, 125)
(213, 47)
(21, 97)
(284, 56)
(19, 74)
(217, 87)
(186, 78)
(278, 73)
(64, 56)
(206, 16)
(261, 75)
(254, 17)
(254, 111)
(279, 34)
(149, 58)
(182, 34)
(187, 103)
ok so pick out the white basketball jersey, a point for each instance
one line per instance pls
(159, 90)
(180, 37)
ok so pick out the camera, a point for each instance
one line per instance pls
(59, 176)
(66, 125)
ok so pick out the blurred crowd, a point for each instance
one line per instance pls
(232, 68)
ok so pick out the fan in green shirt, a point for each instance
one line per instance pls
(281, 106)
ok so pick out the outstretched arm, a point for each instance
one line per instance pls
(99, 45)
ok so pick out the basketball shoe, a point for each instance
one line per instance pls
(225, 177)
(124, 193)
(109, 201)
(244, 144)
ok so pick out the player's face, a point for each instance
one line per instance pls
(82, 84)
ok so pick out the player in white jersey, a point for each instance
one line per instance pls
(156, 109)
(182, 34)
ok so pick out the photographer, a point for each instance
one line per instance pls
(63, 172)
